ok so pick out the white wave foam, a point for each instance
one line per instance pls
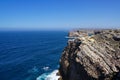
(46, 68)
(51, 76)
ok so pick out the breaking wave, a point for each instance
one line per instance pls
(49, 76)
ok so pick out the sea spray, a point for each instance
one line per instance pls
(49, 76)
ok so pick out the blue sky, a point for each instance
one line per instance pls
(59, 14)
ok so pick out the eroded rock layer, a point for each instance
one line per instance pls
(91, 55)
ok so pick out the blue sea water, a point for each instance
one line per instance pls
(30, 55)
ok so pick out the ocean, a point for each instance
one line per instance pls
(30, 55)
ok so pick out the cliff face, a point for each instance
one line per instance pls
(91, 55)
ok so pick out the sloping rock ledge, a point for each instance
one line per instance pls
(91, 55)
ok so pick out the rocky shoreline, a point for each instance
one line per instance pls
(91, 55)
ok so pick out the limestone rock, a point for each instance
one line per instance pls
(93, 55)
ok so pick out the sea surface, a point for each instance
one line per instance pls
(30, 55)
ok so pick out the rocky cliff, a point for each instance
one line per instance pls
(91, 55)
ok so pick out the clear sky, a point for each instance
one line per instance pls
(58, 14)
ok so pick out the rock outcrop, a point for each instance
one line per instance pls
(91, 55)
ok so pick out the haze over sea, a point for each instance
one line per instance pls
(30, 55)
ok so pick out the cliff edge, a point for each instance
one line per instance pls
(91, 55)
